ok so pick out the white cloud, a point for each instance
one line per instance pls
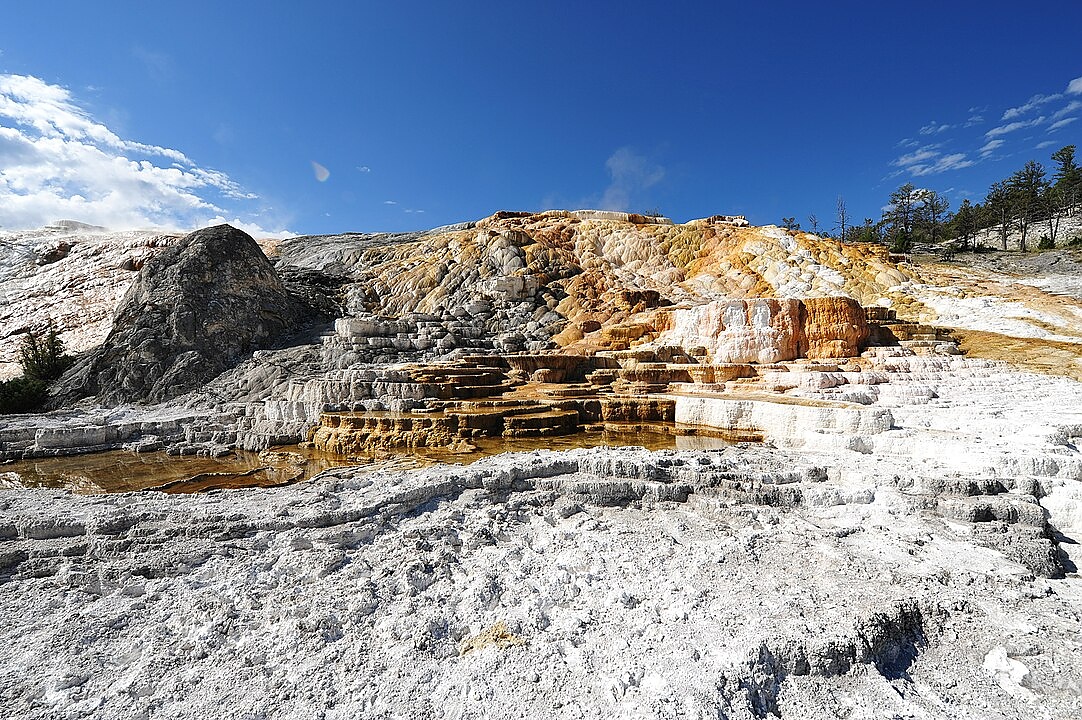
(928, 160)
(991, 146)
(955, 161)
(1067, 109)
(364, 169)
(1034, 102)
(390, 202)
(58, 162)
(1075, 86)
(1045, 144)
(1011, 127)
(934, 128)
(51, 112)
(1061, 123)
(917, 156)
(253, 229)
(974, 120)
(631, 174)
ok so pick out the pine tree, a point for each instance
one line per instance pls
(965, 223)
(1068, 177)
(899, 217)
(998, 205)
(932, 209)
(42, 355)
(1026, 188)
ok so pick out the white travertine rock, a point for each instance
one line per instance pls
(787, 425)
(888, 558)
(769, 330)
(739, 331)
(624, 581)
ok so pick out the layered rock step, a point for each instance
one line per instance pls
(354, 433)
(885, 329)
(538, 394)
(381, 339)
(179, 434)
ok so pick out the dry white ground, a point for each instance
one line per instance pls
(354, 595)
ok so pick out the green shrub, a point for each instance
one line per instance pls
(21, 395)
(42, 355)
(1045, 243)
(43, 359)
(1074, 242)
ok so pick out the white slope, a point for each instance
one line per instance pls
(634, 584)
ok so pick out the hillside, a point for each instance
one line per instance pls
(873, 506)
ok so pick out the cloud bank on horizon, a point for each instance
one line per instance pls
(937, 151)
(58, 162)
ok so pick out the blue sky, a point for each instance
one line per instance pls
(365, 116)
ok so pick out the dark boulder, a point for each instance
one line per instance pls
(195, 310)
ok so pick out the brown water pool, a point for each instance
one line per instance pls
(121, 471)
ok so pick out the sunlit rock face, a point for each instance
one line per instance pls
(833, 327)
(770, 330)
(589, 280)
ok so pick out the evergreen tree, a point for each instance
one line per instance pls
(42, 355)
(1068, 177)
(43, 359)
(998, 206)
(931, 212)
(1026, 189)
(899, 217)
(965, 223)
(869, 232)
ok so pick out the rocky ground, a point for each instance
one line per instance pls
(903, 544)
(741, 583)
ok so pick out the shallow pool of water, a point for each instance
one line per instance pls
(120, 471)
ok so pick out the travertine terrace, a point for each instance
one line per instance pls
(901, 540)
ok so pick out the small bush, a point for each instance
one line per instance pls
(43, 359)
(42, 355)
(21, 395)
(1045, 243)
(1075, 242)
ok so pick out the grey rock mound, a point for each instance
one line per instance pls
(196, 310)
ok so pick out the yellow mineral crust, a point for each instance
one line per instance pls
(497, 636)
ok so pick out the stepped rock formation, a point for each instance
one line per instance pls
(903, 543)
(195, 310)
